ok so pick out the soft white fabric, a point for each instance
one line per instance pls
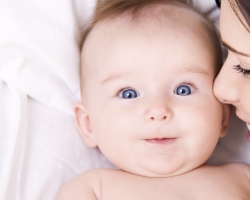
(40, 50)
(40, 148)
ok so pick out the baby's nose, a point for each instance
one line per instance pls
(158, 113)
(160, 117)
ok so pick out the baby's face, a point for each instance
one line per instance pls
(148, 96)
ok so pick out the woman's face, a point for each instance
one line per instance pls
(232, 86)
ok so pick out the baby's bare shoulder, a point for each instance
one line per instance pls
(84, 186)
(238, 168)
(235, 167)
(234, 173)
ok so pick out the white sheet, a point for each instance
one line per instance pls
(40, 148)
(40, 49)
(39, 58)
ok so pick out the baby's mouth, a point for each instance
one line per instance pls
(161, 140)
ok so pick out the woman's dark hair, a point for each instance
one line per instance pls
(244, 8)
(218, 3)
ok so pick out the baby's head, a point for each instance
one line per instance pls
(147, 87)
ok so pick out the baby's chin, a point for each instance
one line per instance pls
(159, 172)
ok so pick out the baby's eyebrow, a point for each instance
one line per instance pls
(194, 70)
(127, 74)
(116, 76)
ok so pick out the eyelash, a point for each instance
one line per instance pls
(120, 90)
(239, 69)
(190, 84)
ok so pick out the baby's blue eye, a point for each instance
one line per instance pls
(183, 90)
(129, 94)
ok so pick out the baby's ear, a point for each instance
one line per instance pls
(227, 113)
(83, 124)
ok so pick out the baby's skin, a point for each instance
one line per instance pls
(148, 105)
(230, 182)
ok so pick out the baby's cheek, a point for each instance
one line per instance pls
(205, 118)
(245, 99)
(107, 120)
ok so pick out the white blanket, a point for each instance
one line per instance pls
(39, 57)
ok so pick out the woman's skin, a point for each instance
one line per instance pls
(232, 86)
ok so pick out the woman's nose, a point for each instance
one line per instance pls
(226, 85)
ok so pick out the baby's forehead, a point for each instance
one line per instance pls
(150, 21)
(177, 20)
(160, 16)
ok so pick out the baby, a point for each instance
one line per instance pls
(147, 103)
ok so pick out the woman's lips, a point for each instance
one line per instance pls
(161, 140)
(248, 133)
(248, 126)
